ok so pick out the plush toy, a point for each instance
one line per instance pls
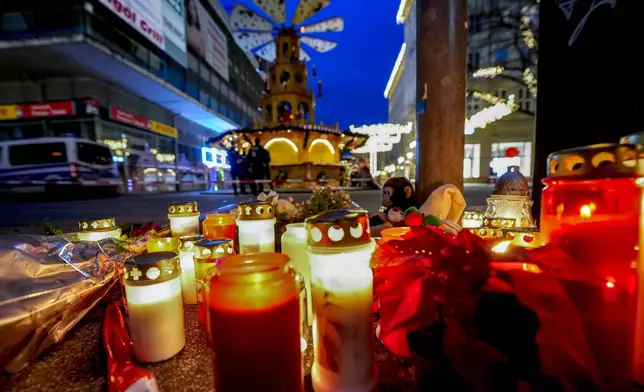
(397, 196)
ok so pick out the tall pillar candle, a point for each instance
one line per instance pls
(184, 218)
(254, 324)
(98, 229)
(155, 309)
(340, 249)
(294, 246)
(186, 259)
(256, 227)
(207, 253)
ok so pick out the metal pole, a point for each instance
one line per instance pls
(440, 85)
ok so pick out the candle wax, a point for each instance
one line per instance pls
(155, 315)
(295, 248)
(188, 285)
(343, 333)
(184, 225)
(257, 350)
(256, 236)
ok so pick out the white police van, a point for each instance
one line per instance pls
(57, 164)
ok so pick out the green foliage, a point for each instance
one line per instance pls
(410, 210)
(49, 229)
(431, 220)
(322, 200)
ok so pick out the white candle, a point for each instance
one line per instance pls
(256, 224)
(155, 309)
(186, 259)
(98, 229)
(294, 246)
(184, 218)
(342, 284)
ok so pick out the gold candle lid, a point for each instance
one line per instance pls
(149, 268)
(255, 210)
(213, 249)
(103, 224)
(595, 161)
(338, 229)
(188, 242)
(499, 223)
(183, 208)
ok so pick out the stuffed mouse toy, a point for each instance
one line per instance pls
(397, 196)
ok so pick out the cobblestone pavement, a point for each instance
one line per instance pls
(27, 216)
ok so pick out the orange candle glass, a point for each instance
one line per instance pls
(590, 209)
(254, 324)
(207, 254)
(220, 226)
(394, 233)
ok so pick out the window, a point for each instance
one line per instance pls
(94, 154)
(472, 161)
(501, 160)
(37, 154)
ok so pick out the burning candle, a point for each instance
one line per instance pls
(220, 226)
(186, 259)
(294, 246)
(590, 209)
(166, 244)
(340, 249)
(206, 255)
(184, 218)
(248, 294)
(155, 309)
(256, 224)
(98, 229)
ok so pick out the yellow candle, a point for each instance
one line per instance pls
(167, 244)
(98, 229)
(184, 218)
(340, 251)
(155, 310)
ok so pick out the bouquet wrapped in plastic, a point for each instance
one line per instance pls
(47, 284)
(471, 324)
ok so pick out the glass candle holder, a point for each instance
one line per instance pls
(340, 249)
(294, 246)
(207, 253)
(256, 227)
(590, 209)
(472, 220)
(166, 244)
(184, 218)
(394, 233)
(98, 229)
(155, 309)
(186, 259)
(220, 226)
(254, 316)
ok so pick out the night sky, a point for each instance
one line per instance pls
(355, 73)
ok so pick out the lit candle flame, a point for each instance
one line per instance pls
(501, 247)
(586, 211)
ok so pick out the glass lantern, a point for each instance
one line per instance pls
(184, 218)
(98, 229)
(253, 324)
(256, 225)
(186, 259)
(340, 248)
(155, 309)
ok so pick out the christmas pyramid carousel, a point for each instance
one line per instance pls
(299, 148)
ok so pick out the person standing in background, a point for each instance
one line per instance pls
(256, 161)
(236, 162)
(266, 163)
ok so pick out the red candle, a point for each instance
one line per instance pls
(220, 226)
(254, 324)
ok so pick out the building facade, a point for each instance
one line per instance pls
(500, 103)
(153, 83)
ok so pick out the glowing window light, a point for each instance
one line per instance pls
(322, 141)
(281, 139)
(213, 157)
(394, 72)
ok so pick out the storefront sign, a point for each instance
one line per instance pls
(145, 16)
(163, 129)
(48, 109)
(8, 112)
(135, 120)
(128, 118)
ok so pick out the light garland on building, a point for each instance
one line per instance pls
(489, 115)
(394, 72)
(489, 72)
(382, 138)
(528, 35)
(402, 13)
(530, 81)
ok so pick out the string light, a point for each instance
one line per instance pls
(394, 72)
(489, 72)
(528, 35)
(489, 115)
(382, 138)
(401, 16)
(530, 81)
